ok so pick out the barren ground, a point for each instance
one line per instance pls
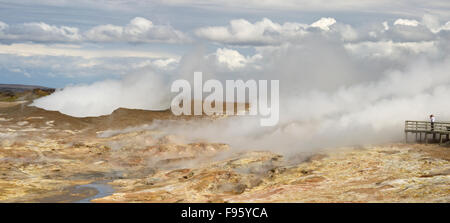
(50, 157)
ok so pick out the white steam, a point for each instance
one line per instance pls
(144, 91)
(364, 113)
(332, 93)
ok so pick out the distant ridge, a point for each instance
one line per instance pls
(20, 92)
(21, 87)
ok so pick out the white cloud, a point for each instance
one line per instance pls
(406, 22)
(409, 30)
(39, 32)
(243, 32)
(266, 32)
(397, 32)
(233, 59)
(139, 30)
(77, 61)
(390, 49)
(433, 24)
(446, 26)
(3, 26)
(385, 25)
(324, 23)
(31, 49)
(105, 33)
(165, 63)
(347, 32)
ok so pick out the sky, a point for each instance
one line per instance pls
(60, 43)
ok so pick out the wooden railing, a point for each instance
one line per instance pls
(424, 126)
(436, 129)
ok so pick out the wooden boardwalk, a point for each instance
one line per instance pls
(440, 131)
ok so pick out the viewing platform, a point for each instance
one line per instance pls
(439, 131)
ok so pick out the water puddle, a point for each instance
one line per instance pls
(79, 194)
(102, 187)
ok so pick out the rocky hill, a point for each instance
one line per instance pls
(17, 92)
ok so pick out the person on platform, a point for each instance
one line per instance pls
(432, 120)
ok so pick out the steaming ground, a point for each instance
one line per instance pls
(367, 112)
(101, 98)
